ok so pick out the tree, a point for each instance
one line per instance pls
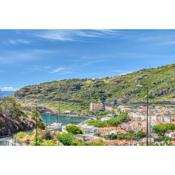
(11, 108)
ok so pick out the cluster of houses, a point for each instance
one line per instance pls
(92, 130)
(155, 114)
(134, 126)
(138, 122)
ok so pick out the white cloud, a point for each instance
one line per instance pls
(18, 41)
(73, 35)
(8, 88)
(57, 70)
(125, 73)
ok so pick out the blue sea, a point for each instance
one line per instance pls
(64, 120)
(6, 93)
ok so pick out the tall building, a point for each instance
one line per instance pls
(96, 106)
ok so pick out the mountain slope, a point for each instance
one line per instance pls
(13, 118)
(76, 94)
(9, 125)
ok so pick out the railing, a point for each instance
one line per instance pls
(8, 141)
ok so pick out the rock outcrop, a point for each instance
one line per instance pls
(9, 125)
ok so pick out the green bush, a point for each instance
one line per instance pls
(117, 120)
(129, 135)
(20, 135)
(67, 139)
(41, 125)
(111, 122)
(39, 141)
(48, 143)
(98, 143)
(97, 123)
(162, 128)
(74, 129)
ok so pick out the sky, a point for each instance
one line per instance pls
(34, 56)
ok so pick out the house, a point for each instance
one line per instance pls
(89, 138)
(67, 112)
(89, 129)
(173, 142)
(107, 131)
(96, 106)
(108, 108)
(171, 135)
(119, 142)
(120, 130)
(123, 108)
(107, 117)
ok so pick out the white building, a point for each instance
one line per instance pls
(107, 117)
(89, 129)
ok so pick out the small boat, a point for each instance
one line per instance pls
(54, 126)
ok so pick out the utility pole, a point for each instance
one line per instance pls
(148, 129)
(58, 108)
(147, 117)
(36, 125)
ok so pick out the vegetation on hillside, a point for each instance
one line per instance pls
(44, 138)
(73, 129)
(129, 135)
(13, 118)
(163, 128)
(76, 94)
(68, 139)
(110, 122)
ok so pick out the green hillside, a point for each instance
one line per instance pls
(76, 94)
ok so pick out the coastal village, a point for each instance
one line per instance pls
(129, 132)
(114, 111)
(137, 122)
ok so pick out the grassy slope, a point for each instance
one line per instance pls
(76, 94)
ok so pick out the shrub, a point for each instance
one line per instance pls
(162, 128)
(41, 125)
(49, 143)
(97, 123)
(20, 135)
(111, 122)
(74, 129)
(98, 143)
(39, 141)
(130, 135)
(46, 135)
(67, 139)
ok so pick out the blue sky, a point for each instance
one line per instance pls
(34, 56)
